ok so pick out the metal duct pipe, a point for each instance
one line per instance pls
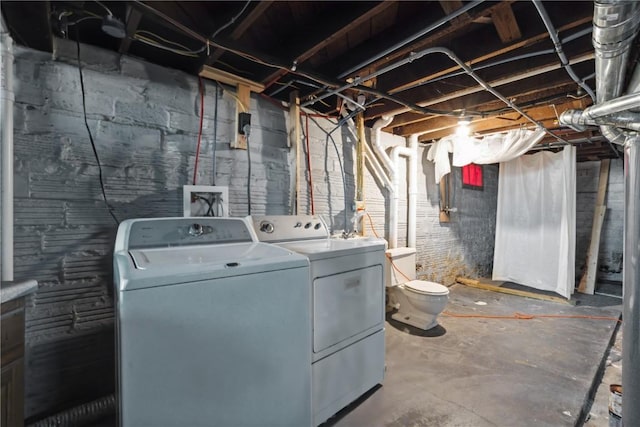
(631, 286)
(553, 33)
(6, 122)
(615, 25)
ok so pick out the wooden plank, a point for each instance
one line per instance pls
(134, 16)
(588, 280)
(511, 78)
(243, 102)
(241, 28)
(508, 120)
(230, 79)
(505, 23)
(487, 287)
(602, 182)
(323, 41)
(450, 6)
(432, 40)
(295, 141)
(492, 53)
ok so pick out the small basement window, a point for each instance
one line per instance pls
(472, 176)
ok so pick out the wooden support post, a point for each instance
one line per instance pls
(243, 102)
(444, 198)
(588, 281)
(360, 204)
(295, 143)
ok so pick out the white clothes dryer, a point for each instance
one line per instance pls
(347, 287)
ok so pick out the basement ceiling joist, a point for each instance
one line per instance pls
(314, 46)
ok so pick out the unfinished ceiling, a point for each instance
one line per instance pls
(380, 53)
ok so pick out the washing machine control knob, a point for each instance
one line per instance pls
(196, 229)
(266, 227)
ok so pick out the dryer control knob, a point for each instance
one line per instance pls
(266, 227)
(196, 229)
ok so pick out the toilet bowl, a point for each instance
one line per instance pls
(418, 302)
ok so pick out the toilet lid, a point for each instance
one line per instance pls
(429, 288)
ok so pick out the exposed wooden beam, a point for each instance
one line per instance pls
(341, 28)
(551, 88)
(230, 79)
(241, 28)
(523, 74)
(490, 53)
(505, 23)
(450, 6)
(496, 123)
(133, 21)
(432, 40)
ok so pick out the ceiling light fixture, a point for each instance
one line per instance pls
(463, 126)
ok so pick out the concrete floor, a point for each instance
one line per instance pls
(491, 372)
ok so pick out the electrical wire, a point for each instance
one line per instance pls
(247, 131)
(234, 96)
(86, 124)
(148, 34)
(104, 7)
(335, 146)
(306, 134)
(155, 44)
(232, 20)
(526, 316)
(195, 166)
(395, 267)
(215, 131)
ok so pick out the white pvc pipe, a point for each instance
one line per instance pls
(396, 153)
(376, 168)
(6, 122)
(376, 130)
(413, 191)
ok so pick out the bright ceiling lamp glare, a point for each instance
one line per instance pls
(113, 27)
(463, 126)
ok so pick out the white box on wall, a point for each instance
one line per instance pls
(205, 200)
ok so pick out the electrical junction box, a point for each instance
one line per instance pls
(205, 200)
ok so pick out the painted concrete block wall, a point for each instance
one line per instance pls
(610, 252)
(144, 121)
(463, 246)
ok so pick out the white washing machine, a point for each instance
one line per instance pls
(213, 328)
(347, 286)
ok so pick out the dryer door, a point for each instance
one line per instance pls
(346, 304)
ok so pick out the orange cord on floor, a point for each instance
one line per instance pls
(524, 316)
(514, 316)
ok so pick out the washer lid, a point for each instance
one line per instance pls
(429, 288)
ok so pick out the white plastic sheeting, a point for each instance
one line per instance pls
(495, 148)
(536, 222)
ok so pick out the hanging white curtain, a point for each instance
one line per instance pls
(496, 148)
(536, 222)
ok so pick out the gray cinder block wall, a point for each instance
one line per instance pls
(610, 252)
(144, 121)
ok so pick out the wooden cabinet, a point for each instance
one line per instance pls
(12, 352)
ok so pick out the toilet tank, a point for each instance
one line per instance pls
(404, 259)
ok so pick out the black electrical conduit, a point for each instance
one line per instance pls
(553, 33)
(355, 84)
(273, 63)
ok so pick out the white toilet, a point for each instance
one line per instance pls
(418, 302)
